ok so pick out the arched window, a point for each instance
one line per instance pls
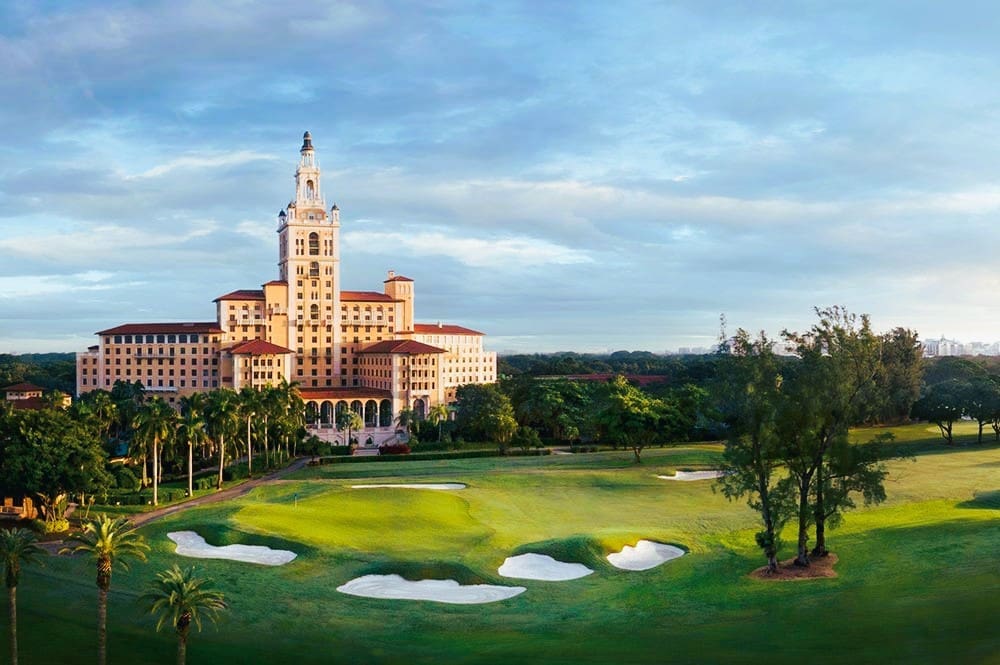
(313, 311)
(314, 269)
(310, 190)
(313, 244)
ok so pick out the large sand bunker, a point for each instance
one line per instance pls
(645, 555)
(692, 475)
(394, 587)
(541, 567)
(414, 486)
(191, 544)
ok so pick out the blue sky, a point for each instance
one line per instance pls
(585, 176)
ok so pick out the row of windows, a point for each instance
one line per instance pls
(159, 339)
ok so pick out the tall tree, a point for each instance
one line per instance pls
(251, 406)
(943, 404)
(486, 414)
(191, 432)
(348, 420)
(982, 401)
(222, 416)
(154, 425)
(438, 415)
(179, 598)
(748, 392)
(822, 395)
(18, 547)
(107, 540)
(631, 418)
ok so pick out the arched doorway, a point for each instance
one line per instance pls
(326, 413)
(311, 413)
(419, 409)
(371, 413)
(385, 413)
(357, 408)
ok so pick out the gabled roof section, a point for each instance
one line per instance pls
(23, 388)
(397, 278)
(258, 347)
(242, 294)
(162, 328)
(401, 346)
(364, 296)
(443, 329)
(275, 282)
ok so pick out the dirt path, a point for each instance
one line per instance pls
(226, 494)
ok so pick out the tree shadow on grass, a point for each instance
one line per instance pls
(988, 500)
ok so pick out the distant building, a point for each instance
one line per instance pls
(30, 396)
(360, 350)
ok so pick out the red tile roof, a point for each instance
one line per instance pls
(315, 394)
(242, 294)
(364, 296)
(162, 328)
(257, 347)
(442, 329)
(23, 387)
(398, 278)
(274, 282)
(406, 346)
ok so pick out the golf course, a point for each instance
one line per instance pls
(917, 581)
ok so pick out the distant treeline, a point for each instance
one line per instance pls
(51, 371)
(675, 369)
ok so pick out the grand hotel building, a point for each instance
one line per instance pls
(361, 350)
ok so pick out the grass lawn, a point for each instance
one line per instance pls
(918, 580)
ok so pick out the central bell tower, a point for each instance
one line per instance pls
(309, 261)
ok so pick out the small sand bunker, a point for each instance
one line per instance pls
(693, 475)
(191, 544)
(645, 555)
(414, 486)
(541, 567)
(394, 587)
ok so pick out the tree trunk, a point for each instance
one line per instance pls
(267, 454)
(12, 601)
(249, 452)
(819, 513)
(145, 477)
(222, 459)
(156, 473)
(102, 626)
(980, 431)
(182, 648)
(802, 555)
(190, 469)
(637, 451)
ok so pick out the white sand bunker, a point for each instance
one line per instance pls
(414, 486)
(645, 555)
(541, 567)
(191, 544)
(693, 475)
(394, 587)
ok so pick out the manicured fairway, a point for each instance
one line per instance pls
(918, 578)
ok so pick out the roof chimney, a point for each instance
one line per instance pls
(392, 273)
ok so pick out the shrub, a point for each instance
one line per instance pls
(125, 478)
(54, 526)
(394, 449)
(339, 451)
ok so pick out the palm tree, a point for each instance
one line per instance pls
(406, 418)
(250, 405)
(438, 414)
(154, 423)
(222, 414)
(349, 420)
(181, 598)
(107, 540)
(17, 547)
(191, 431)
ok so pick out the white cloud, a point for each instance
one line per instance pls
(97, 243)
(517, 252)
(203, 162)
(30, 286)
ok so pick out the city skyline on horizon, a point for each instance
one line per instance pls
(573, 179)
